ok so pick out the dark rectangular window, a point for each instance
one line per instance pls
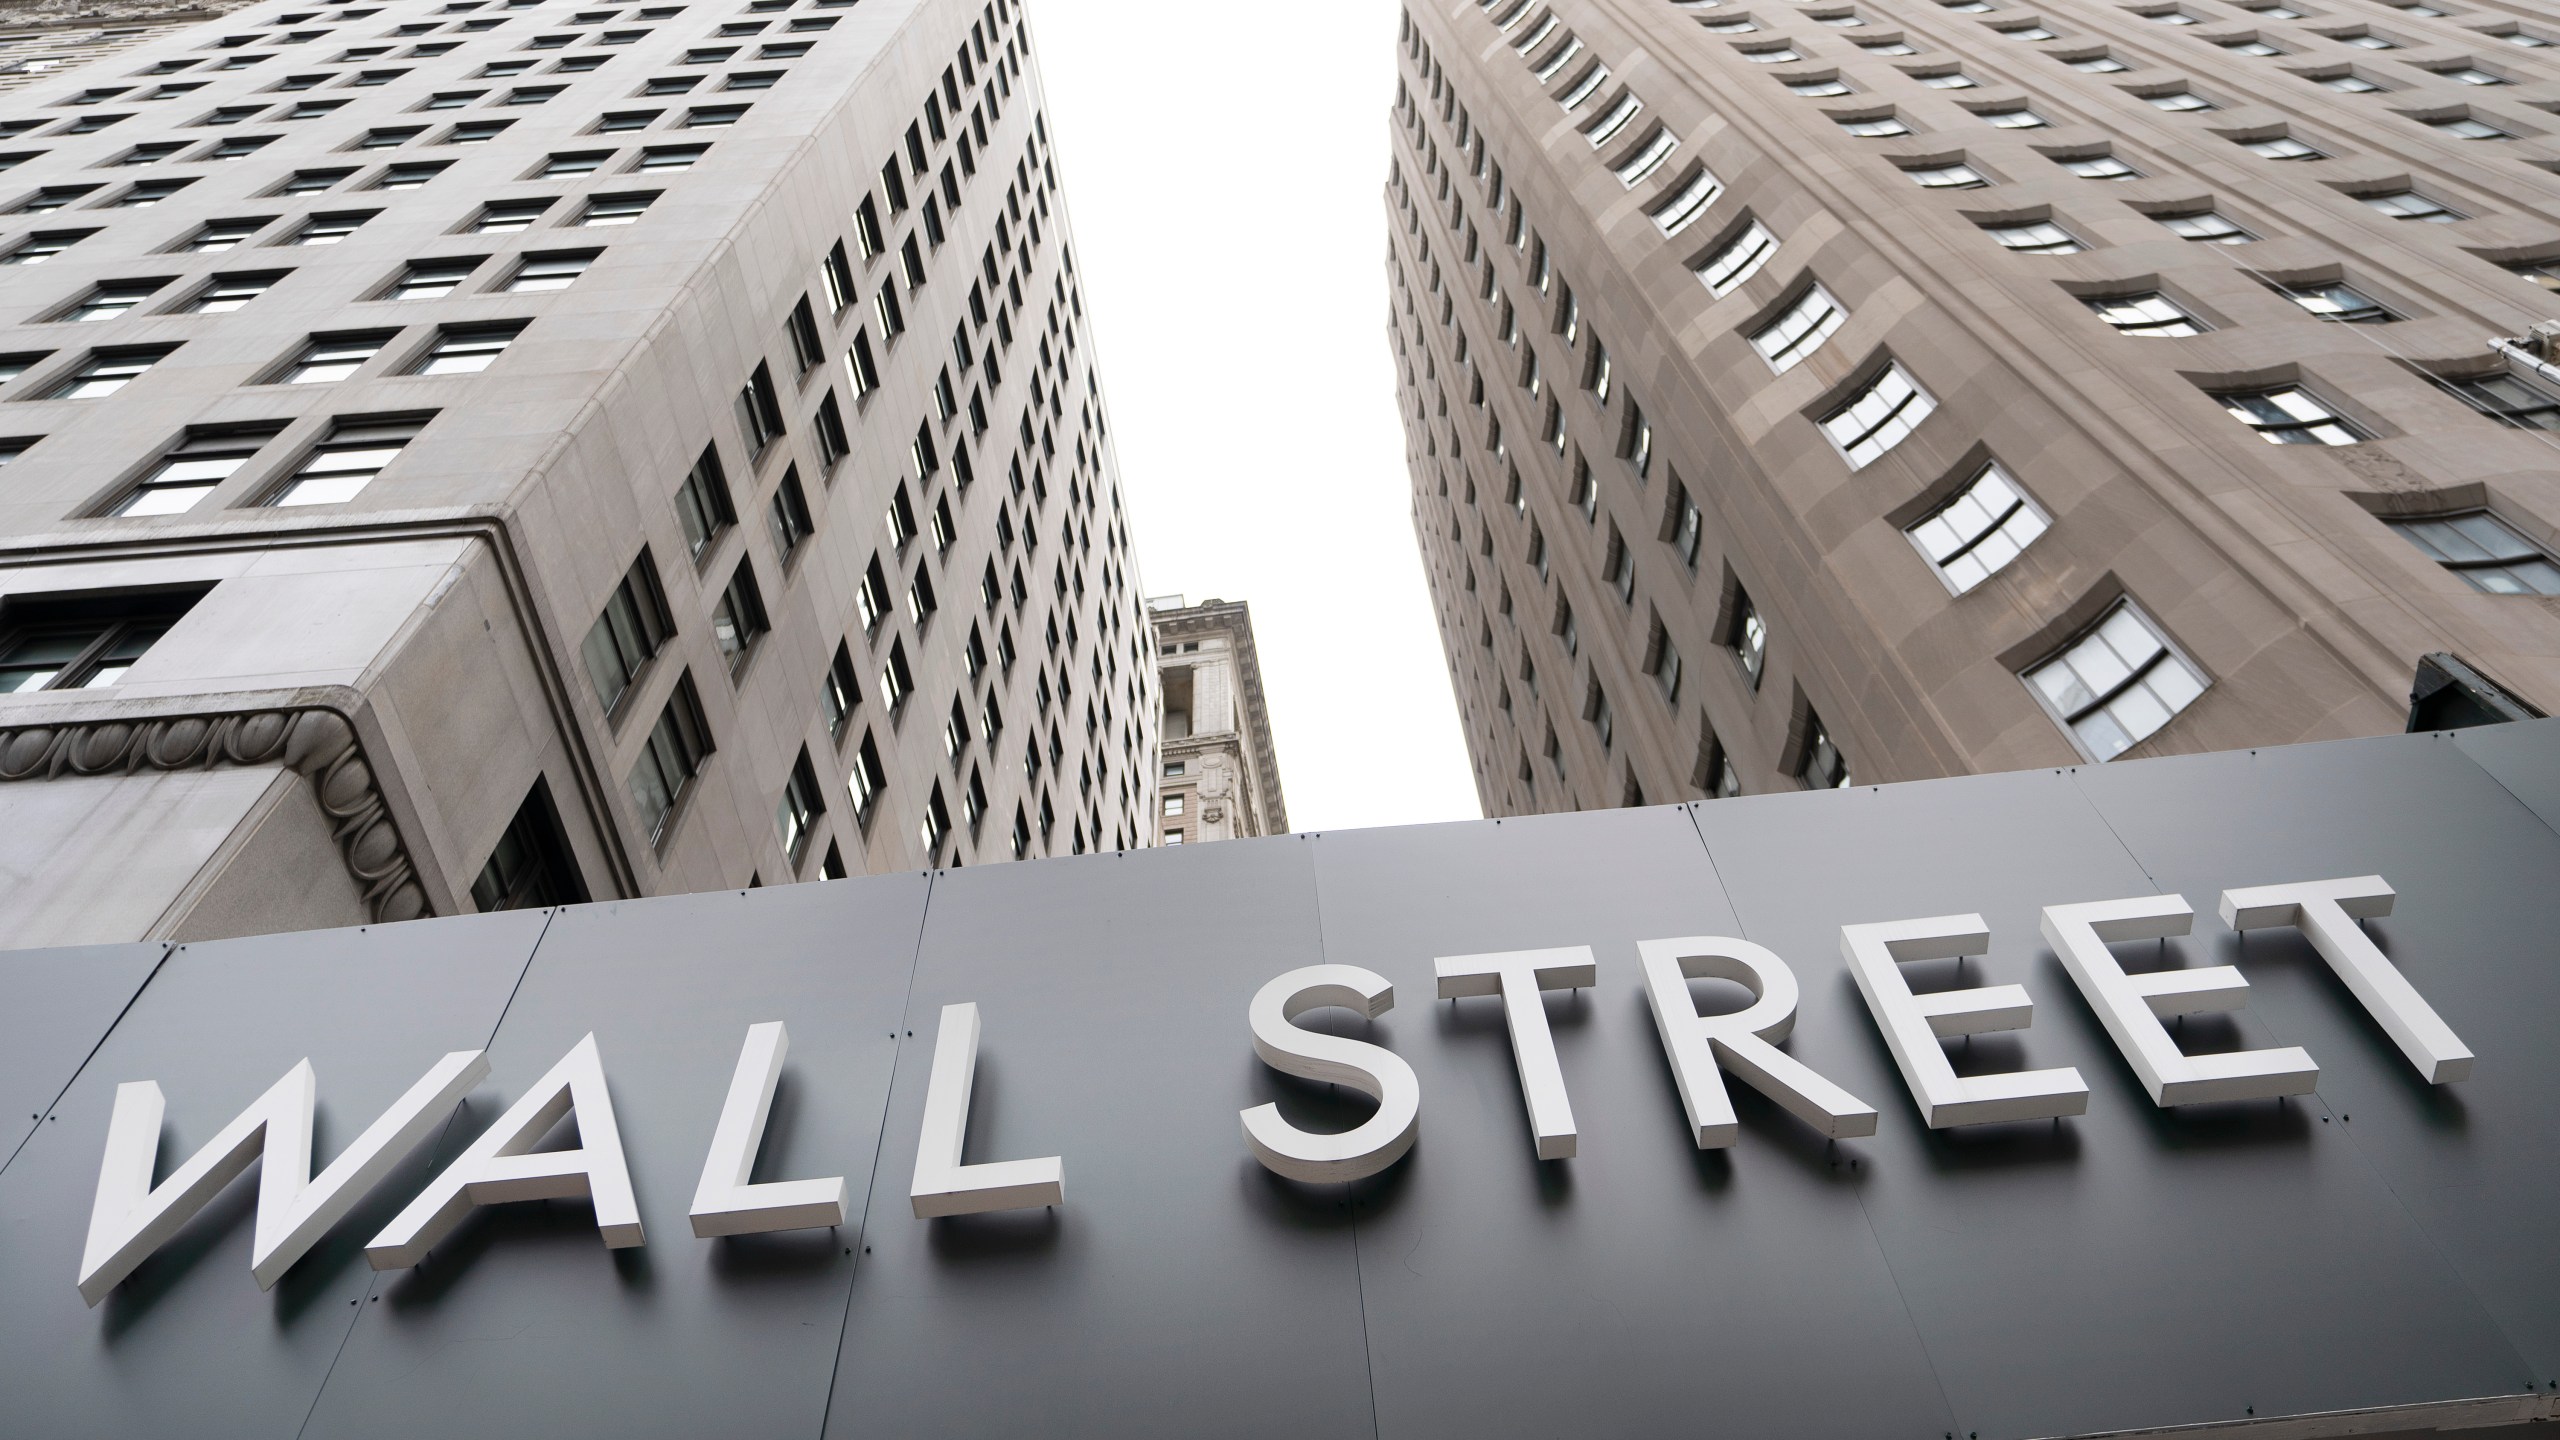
(796, 815)
(864, 368)
(702, 503)
(760, 410)
(866, 780)
(192, 468)
(806, 348)
(833, 444)
(839, 692)
(678, 744)
(83, 642)
(788, 516)
(738, 620)
(530, 866)
(838, 273)
(633, 627)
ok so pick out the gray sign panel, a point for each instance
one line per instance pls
(2383, 1248)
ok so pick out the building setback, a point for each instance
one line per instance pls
(1220, 774)
(1884, 389)
(479, 454)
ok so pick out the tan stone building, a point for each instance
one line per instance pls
(1879, 389)
(1219, 773)
(467, 455)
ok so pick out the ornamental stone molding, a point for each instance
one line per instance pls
(317, 744)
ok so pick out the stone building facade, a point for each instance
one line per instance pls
(467, 455)
(1219, 774)
(1800, 393)
(39, 38)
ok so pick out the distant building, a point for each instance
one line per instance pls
(1219, 777)
(37, 39)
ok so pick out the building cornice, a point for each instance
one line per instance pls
(317, 743)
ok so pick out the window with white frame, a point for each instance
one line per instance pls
(2117, 683)
(2290, 415)
(2407, 204)
(1979, 529)
(1737, 259)
(2485, 551)
(1875, 419)
(2150, 313)
(1648, 157)
(2035, 237)
(1798, 330)
(1686, 204)
(1955, 176)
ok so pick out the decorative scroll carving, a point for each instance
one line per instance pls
(318, 744)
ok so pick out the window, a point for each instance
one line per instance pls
(347, 459)
(579, 162)
(759, 408)
(530, 866)
(1687, 203)
(2335, 300)
(328, 358)
(1958, 176)
(1887, 408)
(795, 816)
(738, 620)
(1737, 259)
(838, 692)
(1875, 127)
(1979, 529)
(1748, 637)
(615, 209)
(329, 229)
(2117, 684)
(2290, 415)
(225, 293)
(2101, 63)
(627, 120)
(2472, 75)
(82, 642)
(1818, 89)
(2407, 204)
(702, 503)
(476, 132)
(2284, 147)
(897, 681)
(936, 825)
(2348, 81)
(191, 469)
(2013, 118)
(1605, 127)
(149, 193)
(704, 117)
(833, 443)
(2464, 127)
(2036, 237)
(1823, 766)
(427, 279)
(2479, 547)
(43, 245)
(312, 182)
(788, 516)
(1799, 330)
(531, 94)
(2210, 227)
(466, 349)
(108, 371)
(408, 177)
(50, 198)
(2249, 47)
(2179, 100)
(860, 364)
(2151, 313)
(108, 300)
(387, 139)
(554, 270)
(2545, 273)
(632, 628)
(1947, 80)
(752, 80)
(678, 744)
(670, 157)
(802, 327)
(219, 235)
(867, 779)
(1648, 157)
(2511, 400)
(2100, 167)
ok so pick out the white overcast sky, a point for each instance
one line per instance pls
(1222, 165)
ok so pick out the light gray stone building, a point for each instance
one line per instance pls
(1879, 389)
(463, 455)
(1220, 776)
(40, 38)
